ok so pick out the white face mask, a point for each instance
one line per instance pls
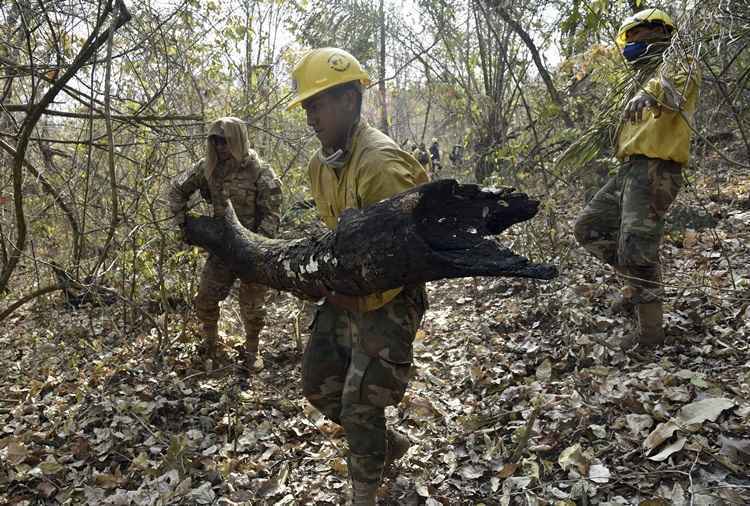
(334, 160)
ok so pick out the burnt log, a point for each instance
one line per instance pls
(437, 230)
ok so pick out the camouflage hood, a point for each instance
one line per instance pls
(233, 130)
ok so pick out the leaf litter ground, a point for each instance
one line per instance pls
(519, 396)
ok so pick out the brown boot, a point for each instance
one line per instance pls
(623, 306)
(364, 494)
(396, 446)
(250, 353)
(650, 327)
(210, 334)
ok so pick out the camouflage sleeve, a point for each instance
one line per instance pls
(268, 203)
(182, 188)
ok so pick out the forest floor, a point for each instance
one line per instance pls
(519, 394)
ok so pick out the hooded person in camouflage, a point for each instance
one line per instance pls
(624, 222)
(235, 170)
(359, 355)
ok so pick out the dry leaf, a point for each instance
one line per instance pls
(203, 494)
(507, 470)
(661, 433)
(46, 489)
(471, 471)
(599, 473)
(690, 239)
(544, 371)
(16, 453)
(80, 448)
(700, 411)
(277, 484)
(669, 450)
(599, 431)
(586, 291)
(530, 467)
(736, 449)
(107, 480)
(639, 423)
(573, 456)
(50, 466)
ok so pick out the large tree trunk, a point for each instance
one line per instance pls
(434, 231)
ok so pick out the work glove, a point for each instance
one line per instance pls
(634, 110)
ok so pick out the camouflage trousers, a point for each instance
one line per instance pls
(355, 365)
(623, 224)
(216, 283)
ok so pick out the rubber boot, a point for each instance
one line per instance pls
(396, 446)
(363, 494)
(650, 326)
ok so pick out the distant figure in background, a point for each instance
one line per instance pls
(457, 154)
(435, 156)
(236, 171)
(423, 157)
(624, 222)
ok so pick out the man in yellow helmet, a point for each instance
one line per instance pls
(359, 355)
(624, 222)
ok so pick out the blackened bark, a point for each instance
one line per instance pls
(438, 230)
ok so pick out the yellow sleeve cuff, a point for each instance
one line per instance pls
(377, 300)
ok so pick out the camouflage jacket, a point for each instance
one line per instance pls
(251, 185)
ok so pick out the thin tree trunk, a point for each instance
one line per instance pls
(384, 127)
(114, 200)
(429, 103)
(526, 38)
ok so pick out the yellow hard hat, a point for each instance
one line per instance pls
(324, 68)
(639, 18)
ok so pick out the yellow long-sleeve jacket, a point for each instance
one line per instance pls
(375, 168)
(667, 135)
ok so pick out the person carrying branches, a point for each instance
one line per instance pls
(359, 355)
(237, 172)
(623, 224)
